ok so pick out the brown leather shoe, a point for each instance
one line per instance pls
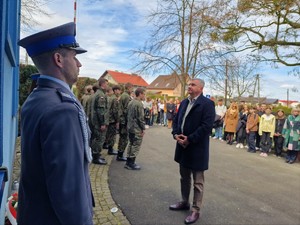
(180, 206)
(192, 218)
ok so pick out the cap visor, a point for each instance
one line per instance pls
(79, 50)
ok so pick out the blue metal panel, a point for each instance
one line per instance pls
(9, 83)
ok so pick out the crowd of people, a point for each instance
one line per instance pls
(60, 136)
(258, 128)
(112, 110)
(107, 109)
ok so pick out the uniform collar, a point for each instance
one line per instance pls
(64, 84)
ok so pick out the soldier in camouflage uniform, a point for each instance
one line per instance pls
(88, 91)
(89, 104)
(136, 128)
(99, 121)
(114, 119)
(123, 133)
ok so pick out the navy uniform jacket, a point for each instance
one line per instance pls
(55, 185)
(198, 125)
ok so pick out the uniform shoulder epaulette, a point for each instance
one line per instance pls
(65, 97)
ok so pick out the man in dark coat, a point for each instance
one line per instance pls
(191, 129)
(55, 184)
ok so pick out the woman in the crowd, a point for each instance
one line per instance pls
(266, 131)
(231, 120)
(154, 113)
(147, 111)
(278, 137)
(241, 127)
(171, 109)
(291, 132)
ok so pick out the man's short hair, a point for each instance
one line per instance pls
(202, 83)
(42, 61)
(95, 87)
(102, 81)
(139, 91)
(108, 89)
(116, 87)
(128, 85)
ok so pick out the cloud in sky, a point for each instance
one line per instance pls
(110, 29)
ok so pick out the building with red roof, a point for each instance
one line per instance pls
(117, 77)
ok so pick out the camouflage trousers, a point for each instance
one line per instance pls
(123, 137)
(135, 142)
(111, 134)
(97, 139)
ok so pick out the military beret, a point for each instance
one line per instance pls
(45, 41)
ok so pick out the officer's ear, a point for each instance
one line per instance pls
(58, 59)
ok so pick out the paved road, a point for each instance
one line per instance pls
(241, 188)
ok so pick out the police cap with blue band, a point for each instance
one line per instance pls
(45, 41)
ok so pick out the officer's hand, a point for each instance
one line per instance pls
(143, 133)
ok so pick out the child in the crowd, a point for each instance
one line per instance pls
(251, 128)
(278, 138)
(291, 132)
(266, 130)
(241, 127)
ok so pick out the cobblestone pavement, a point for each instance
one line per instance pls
(99, 181)
(102, 195)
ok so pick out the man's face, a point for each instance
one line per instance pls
(263, 107)
(70, 67)
(117, 92)
(143, 95)
(194, 88)
(104, 85)
(220, 103)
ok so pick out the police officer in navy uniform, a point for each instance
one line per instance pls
(55, 184)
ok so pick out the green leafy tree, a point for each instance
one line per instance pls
(270, 28)
(25, 81)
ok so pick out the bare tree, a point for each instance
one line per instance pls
(30, 9)
(238, 74)
(179, 41)
(271, 27)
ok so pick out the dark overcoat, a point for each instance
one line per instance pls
(197, 127)
(54, 185)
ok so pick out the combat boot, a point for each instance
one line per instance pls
(111, 151)
(98, 160)
(105, 146)
(130, 164)
(120, 156)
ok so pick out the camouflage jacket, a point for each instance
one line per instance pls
(89, 106)
(135, 116)
(84, 100)
(123, 102)
(114, 110)
(99, 107)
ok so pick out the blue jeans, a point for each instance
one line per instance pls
(218, 132)
(251, 141)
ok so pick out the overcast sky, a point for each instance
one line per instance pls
(109, 29)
